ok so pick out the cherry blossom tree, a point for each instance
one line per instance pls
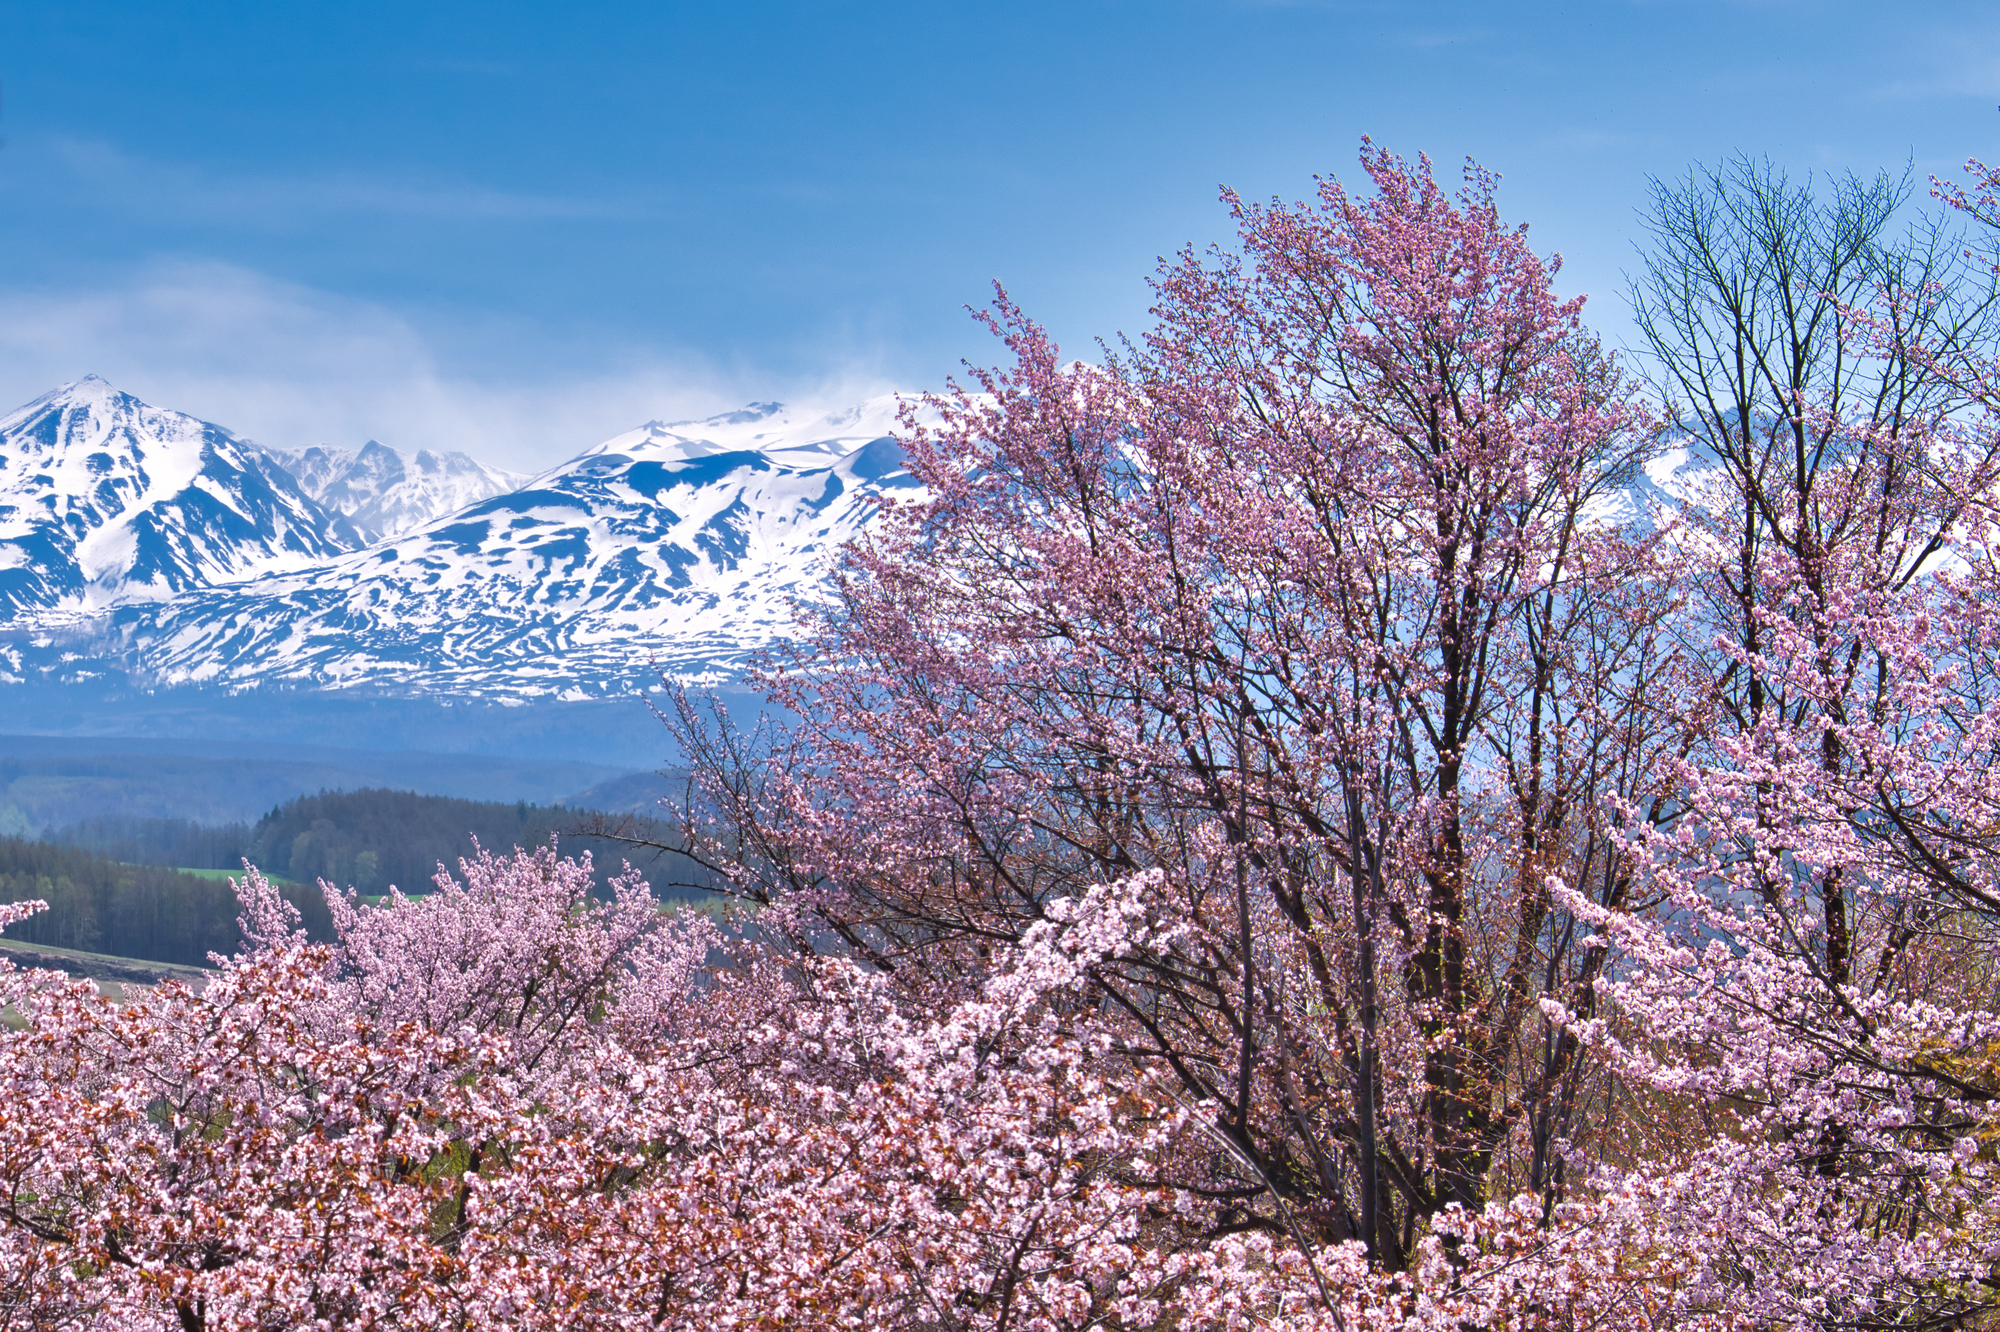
(1844, 1160)
(1813, 988)
(737, 1137)
(1311, 602)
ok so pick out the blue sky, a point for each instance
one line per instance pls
(518, 229)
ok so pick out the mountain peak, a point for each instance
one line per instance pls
(105, 499)
(90, 392)
(91, 388)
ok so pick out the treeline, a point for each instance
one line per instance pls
(370, 839)
(375, 838)
(100, 905)
(115, 885)
(178, 842)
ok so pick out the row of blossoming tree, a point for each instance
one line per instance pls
(1346, 813)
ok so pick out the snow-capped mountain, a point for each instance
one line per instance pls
(385, 492)
(105, 500)
(146, 543)
(678, 545)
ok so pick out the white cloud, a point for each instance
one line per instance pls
(289, 365)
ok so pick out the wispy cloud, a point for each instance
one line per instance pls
(1967, 65)
(189, 193)
(288, 365)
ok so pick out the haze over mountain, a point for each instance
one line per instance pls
(385, 492)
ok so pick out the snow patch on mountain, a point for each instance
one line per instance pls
(772, 427)
(681, 546)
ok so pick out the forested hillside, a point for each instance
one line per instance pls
(375, 838)
(99, 905)
(175, 842)
(116, 885)
(371, 839)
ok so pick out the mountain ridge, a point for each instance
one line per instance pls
(683, 546)
(657, 549)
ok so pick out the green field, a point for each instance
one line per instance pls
(223, 876)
